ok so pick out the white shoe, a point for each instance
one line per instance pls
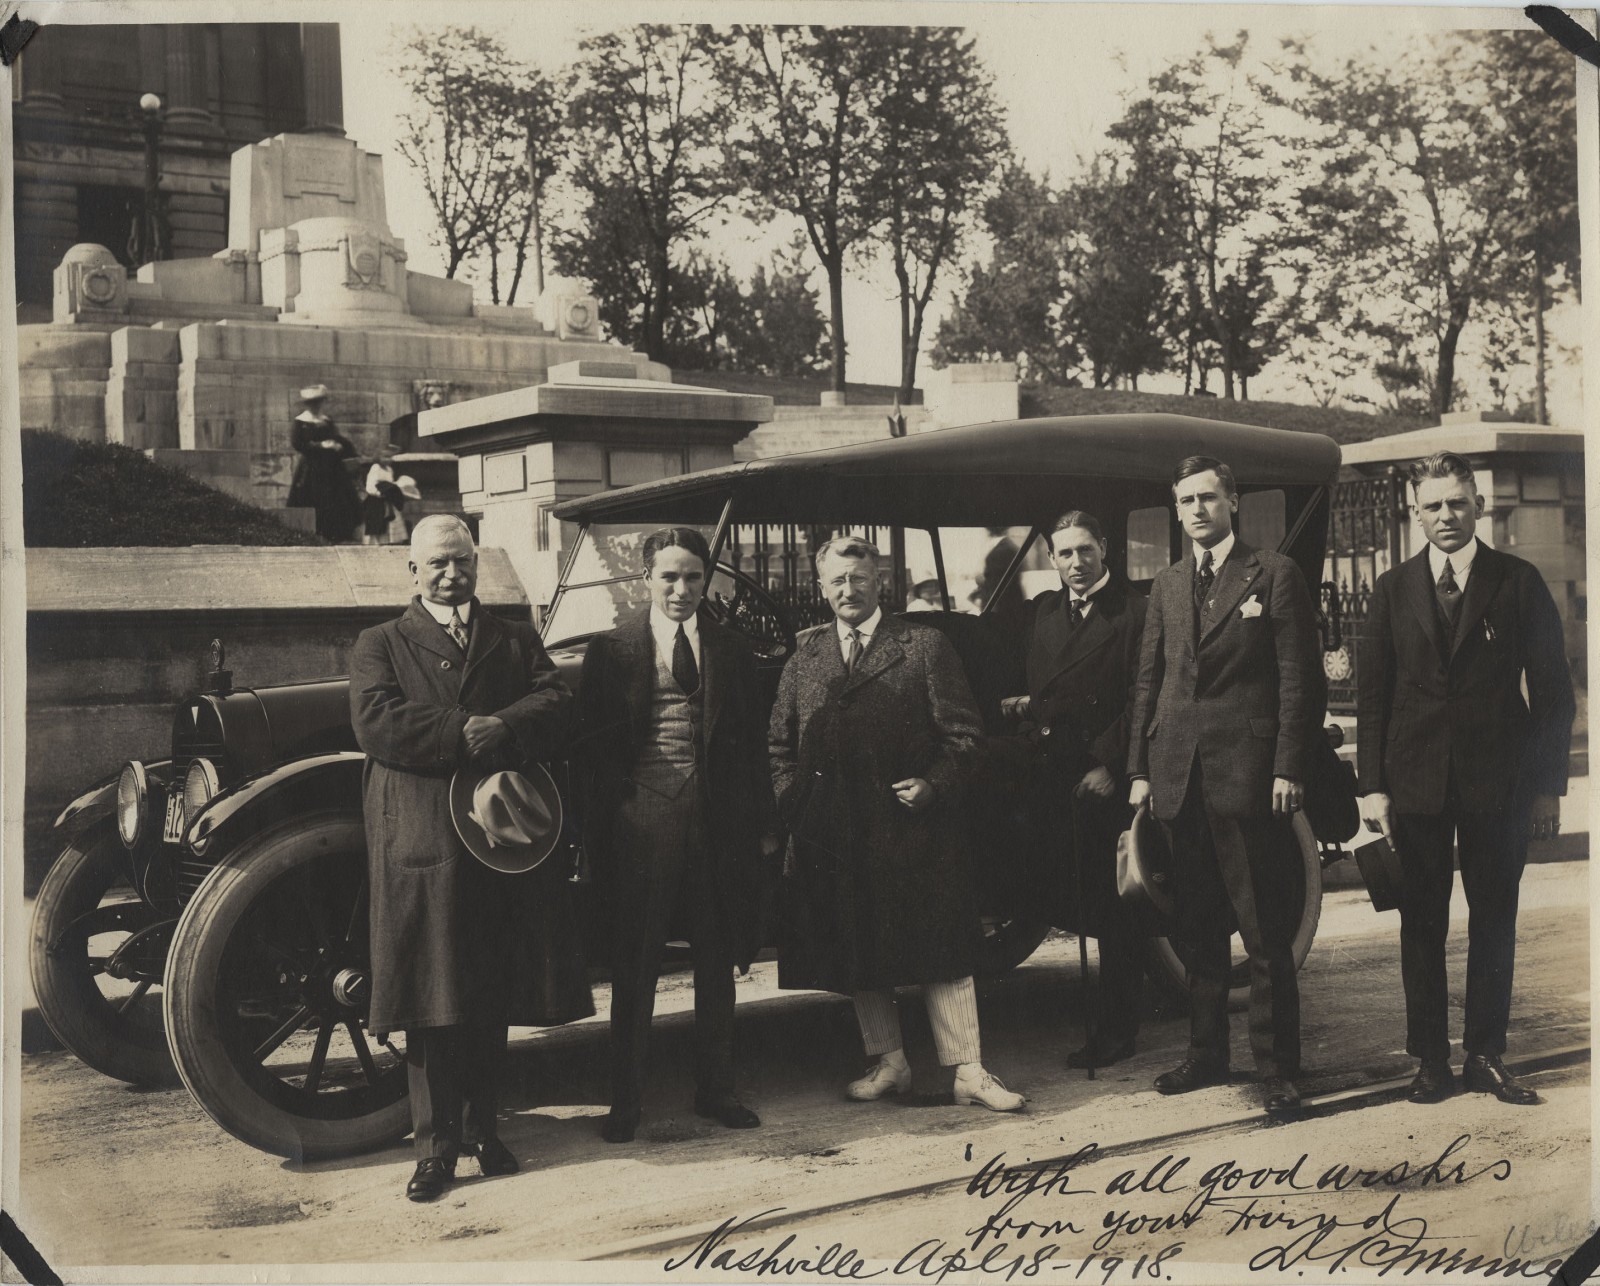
(882, 1078)
(986, 1090)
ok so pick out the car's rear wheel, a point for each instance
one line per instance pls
(267, 989)
(1007, 943)
(96, 954)
(1170, 955)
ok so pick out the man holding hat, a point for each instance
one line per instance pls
(320, 481)
(454, 709)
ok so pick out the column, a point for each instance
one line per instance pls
(40, 63)
(187, 111)
(324, 84)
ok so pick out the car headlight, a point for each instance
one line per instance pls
(199, 785)
(132, 799)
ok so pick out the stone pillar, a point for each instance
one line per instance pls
(41, 73)
(187, 110)
(324, 83)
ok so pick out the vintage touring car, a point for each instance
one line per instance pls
(208, 912)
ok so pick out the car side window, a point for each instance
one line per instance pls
(1149, 542)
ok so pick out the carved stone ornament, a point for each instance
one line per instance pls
(431, 393)
(364, 261)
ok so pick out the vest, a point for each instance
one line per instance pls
(670, 756)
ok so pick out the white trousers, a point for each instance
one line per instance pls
(952, 1012)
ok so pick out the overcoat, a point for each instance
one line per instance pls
(1431, 708)
(1080, 680)
(875, 895)
(451, 939)
(614, 714)
(320, 481)
(1242, 693)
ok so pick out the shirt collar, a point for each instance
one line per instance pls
(1219, 552)
(866, 629)
(1094, 589)
(666, 629)
(441, 612)
(1461, 561)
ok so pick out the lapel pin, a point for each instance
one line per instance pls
(1488, 632)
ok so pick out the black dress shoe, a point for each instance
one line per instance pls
(621, 1122)
(429, 1180)
(1486, 1074)
(727, 1110)
(1101, 1053)
(1433, 1083)
(495, 1159)
(1191, 1074)
(1280, 1097)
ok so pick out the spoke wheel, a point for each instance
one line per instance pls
(1170, 954)
(87, 912)
(1007, 943)
(267, 988)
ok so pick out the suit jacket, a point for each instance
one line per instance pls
(1431, 708)
(1082, 681)
(1243, 698)
(449, 936)
(875, 894)
(614, 719)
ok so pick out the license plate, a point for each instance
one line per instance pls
(173, 831)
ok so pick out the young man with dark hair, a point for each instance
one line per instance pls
(1451, 756)
(1224, 709)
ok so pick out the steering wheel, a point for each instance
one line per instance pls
(752, 611)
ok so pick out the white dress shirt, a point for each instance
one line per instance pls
(1219, 554)
(665, 630)
(1460, 561)
(866, 629)
(441, 612)
(1088, 599)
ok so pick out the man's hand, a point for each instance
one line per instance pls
(483, 733)
(914, 793)
(1546, 817)
(1138, 792)
(1016, 707)
(771, 845)
(1377, 811)
(1287, 797)
(1097, 781)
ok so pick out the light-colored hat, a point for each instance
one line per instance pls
(1144, 870)
(408, 487)
(510, 821)
(314, 393)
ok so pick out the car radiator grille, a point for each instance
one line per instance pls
(188, 869)
(191, 871)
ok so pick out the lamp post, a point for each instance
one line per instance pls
(148, 242)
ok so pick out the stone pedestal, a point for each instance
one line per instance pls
(283, 180)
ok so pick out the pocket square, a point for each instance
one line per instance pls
(1250, 607)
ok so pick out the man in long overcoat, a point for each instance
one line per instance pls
(1083, 654)
(872, 738)
(458, 950)
(678, 816)
(1454, 756)
(1227, 701)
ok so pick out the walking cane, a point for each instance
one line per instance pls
(1090, 995)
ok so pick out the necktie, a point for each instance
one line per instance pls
(684, 671)
(1079, 606)
(1202, 581)
(1449, 595)
(853, 656)
(457, 629)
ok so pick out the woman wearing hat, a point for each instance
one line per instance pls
(320, 481)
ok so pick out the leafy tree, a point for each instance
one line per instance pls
(938, 128)
(605, 246)
(810, 146)
(652, 119)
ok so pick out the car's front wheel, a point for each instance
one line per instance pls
(267, 988)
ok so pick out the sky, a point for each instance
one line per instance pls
(1061, 71)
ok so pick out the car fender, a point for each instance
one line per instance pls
(100, 801)
(329, 780)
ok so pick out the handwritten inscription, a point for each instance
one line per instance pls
(1055, 1221)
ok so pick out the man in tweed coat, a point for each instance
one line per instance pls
(458, 950)
(872, 737)
(1226, 701)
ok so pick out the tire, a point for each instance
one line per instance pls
(257, 1027)
(1007, 943)
(1167, 954)
(115, 1031)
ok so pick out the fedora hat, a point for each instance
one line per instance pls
(509, 821)
(1379, 865)
(1144, 866)
(314, 393)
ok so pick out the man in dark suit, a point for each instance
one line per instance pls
(1450, 753)
(458, 950)
(1082, 657)
(679, 816)
(872, 738)
(1223, 713)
